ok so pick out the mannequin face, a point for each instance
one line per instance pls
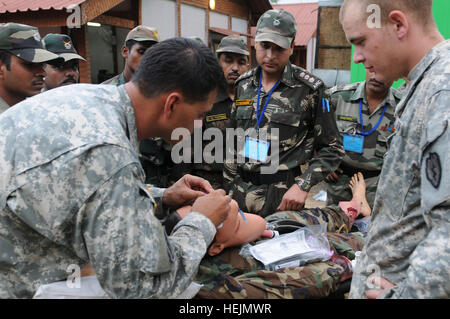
(235, 231)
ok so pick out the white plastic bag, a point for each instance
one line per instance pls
(306, 245)
(90, 288)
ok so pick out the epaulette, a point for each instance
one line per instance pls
(308, 78)
(344, 87)
(245, 75)
(397, 94)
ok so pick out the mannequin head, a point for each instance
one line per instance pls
(235, 231)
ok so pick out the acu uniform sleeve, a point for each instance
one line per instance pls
(131, 254)
(428, 274)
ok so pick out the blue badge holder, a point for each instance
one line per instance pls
(256, 149)
(354, 143)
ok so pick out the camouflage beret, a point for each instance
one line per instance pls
(233, 44)
(24, 41)
(276, 26)
(143, 33)
(61, 44)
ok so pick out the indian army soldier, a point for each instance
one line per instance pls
(137, 42)
(21, 56)
(281, 96)
(63, 73)
(365, 118)
(234, 59)
(407, 251)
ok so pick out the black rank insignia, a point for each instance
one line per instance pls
(434, 170)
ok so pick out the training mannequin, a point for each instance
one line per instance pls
(235, 231)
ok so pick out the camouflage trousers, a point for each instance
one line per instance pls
(232, 276)
(261, 200)
(340, 191)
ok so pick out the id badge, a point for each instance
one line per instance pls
(354, 143)
(256, 149)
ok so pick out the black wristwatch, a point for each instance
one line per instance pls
(304, 185)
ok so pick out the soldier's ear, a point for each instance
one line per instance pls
(170, 105)
(125, 52)
(216, 248)
(2, 70)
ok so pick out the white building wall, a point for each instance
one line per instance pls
(193, 22)
(218, 20)
(310, 54)
(162, 15)
(239, 25)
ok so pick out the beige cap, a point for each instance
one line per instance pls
(143, 33)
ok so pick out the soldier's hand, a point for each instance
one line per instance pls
(383, 285)
(334, 177)
(186, 190)
(215, 206)
(293, 199)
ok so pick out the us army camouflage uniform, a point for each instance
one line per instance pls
(230, 275)
(72, 191)
(347, 100)
(402, 88)
(3, 105)
(295, 108)
(408, 242)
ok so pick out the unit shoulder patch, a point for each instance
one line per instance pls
(343, 88)
(434, 169)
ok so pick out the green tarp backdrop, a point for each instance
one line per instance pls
(441, 10)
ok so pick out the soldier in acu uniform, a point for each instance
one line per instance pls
(407, 252)
(21, 56)
(279, 95)
(73, 192)
(365, 119)
(233, 58)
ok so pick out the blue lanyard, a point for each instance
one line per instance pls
(361, 119)
(259, 118)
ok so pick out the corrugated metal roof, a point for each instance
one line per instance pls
(35, 5)
(306, 16)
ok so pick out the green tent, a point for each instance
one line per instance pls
(441, 9)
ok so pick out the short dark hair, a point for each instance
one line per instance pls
(179, 64)
(5, 57)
